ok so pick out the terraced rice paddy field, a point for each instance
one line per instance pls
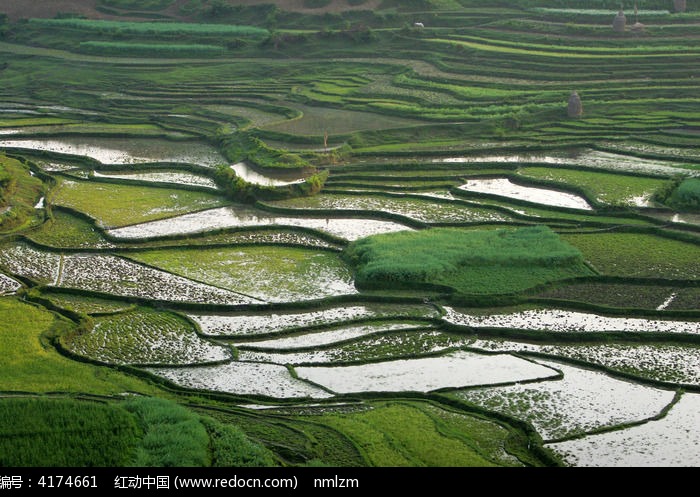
(338, 238)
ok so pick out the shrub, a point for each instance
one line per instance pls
(243, 191)
(686, 196)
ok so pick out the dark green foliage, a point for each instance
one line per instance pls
(230, 447)
(463, 259)
(65, 432)
(243, 145)
(243, 191)
(173, 436)
(686, 196)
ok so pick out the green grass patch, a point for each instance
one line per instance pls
(116, 205)
(66, 433)
(86, 305)
(30, 364)
(176, 436)
(469, 261)
(410, 434)
(21, 122)
(609, 188)
(64, 230)
(638, 255)
(143, 431)
(230, 447)
(173, 435)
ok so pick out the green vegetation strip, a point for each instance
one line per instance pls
(158, 28)
(150, 49)
(638, 255)
(146, 431)
(116, 205)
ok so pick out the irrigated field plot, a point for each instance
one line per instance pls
(582, 401)
(639, 255)
(119, 205)
(146, 337)
(454, 370)
(245, 324)
(421, 210)
(272, 274)
(243, 217)
(667, 442)
(242, 378)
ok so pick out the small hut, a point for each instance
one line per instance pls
(620, 21)
(575, 107)
(679, 5)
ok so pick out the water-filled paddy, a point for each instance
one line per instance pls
(246, 172)
(386, 346)
(125, 150)
(242, 378)
(670, 441)
(561, 321)
(415, 208)
(8, 285)
(586, 157)
(266, 273)
(505, 188)
(146, 337)
(117, 276)
(321, 338)
(241, 217)
(175, 177)
(582, 401)
(245, 324)
(454, 370)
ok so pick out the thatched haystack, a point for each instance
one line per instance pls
(620, 22)
(575, 107)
